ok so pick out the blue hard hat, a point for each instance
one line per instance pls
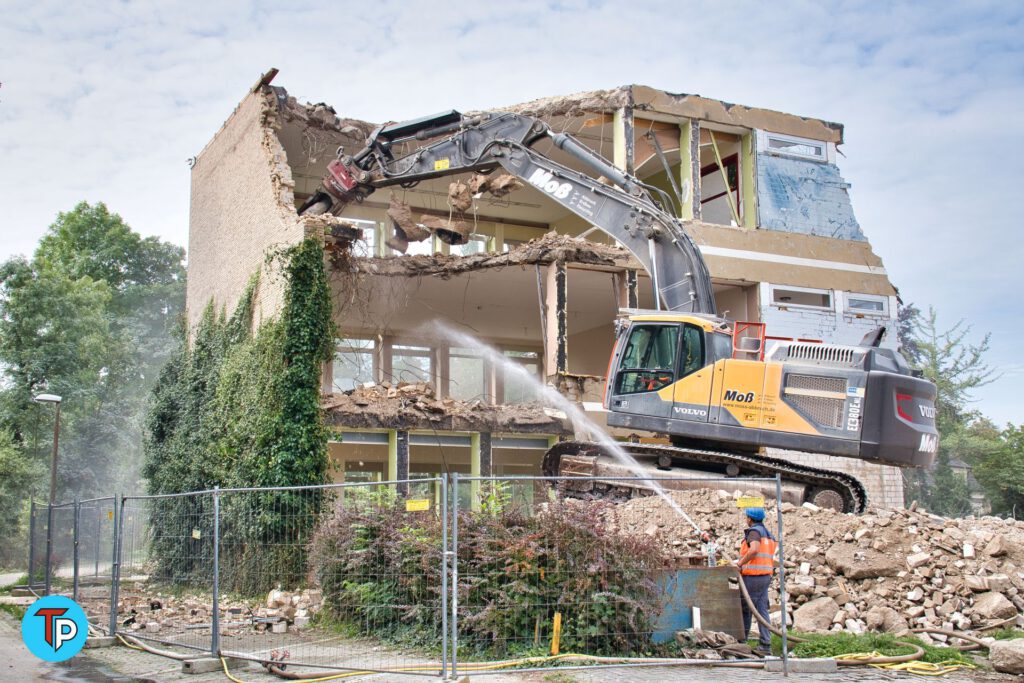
(756, 514)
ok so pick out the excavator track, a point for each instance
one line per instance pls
(824, 487)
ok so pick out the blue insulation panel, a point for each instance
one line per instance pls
(807, 197)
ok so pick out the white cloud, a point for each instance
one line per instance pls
(104, 101)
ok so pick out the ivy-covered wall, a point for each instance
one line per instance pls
(241, 408)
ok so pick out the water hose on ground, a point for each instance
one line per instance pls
(507, 664)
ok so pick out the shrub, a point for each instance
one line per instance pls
(379, 568)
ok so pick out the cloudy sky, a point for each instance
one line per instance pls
(106, 101)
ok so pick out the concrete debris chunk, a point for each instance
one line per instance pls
(815, 616)
(855, 563)
(459, 196)
(400, 214)
(997, 547)
(503, 185)
(994, 605)
(1007, 656)
(918, 559)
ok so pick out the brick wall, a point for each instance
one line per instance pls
(884, 484)
(241, 208)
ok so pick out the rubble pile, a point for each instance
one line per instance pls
(408, 405)
(156, 612)
(886, 570)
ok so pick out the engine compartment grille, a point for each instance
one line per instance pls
(822, 399)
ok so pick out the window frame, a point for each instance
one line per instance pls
(772, 289)
(341, 345)
(884, 300)
(767, 137)
(621, 371)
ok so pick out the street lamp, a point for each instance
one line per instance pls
(52, 398)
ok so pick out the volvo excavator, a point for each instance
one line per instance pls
(679, 370)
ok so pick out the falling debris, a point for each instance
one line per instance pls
(448, 231)
(459, 196)
(499, 185)
(503, 185)
(401, 215)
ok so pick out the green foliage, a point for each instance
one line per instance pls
(88, 317)
(957, 368)
(17, 474)
(1002, 473)
(242, 409)
(379, 568)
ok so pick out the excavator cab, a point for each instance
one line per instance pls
(703, 380)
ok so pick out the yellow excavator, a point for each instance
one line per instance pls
(680, 370)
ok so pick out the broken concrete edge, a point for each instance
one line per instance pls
(402, 412)
(205, 665)
(551, 248)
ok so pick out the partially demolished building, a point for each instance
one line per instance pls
(758, 190)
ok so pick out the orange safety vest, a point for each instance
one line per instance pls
(764, 561)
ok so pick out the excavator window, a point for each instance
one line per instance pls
(648, 362)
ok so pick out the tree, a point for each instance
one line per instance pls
(957, 368)
(88, 317)
(1002, 473)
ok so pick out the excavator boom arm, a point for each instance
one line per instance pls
(625, 210)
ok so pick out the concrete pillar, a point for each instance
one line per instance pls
(689, 169)
(623, 140)
(556, 352)
(398, 458)
(626, 290)
(748, 181)
(480, 463)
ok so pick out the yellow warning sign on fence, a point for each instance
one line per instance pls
(417, 505)
(750, 502)
(110, 514)
(197, 534)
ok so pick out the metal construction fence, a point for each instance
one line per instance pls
(436, 576)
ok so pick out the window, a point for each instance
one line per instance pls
(715, 205)
(353, 364)
(367, 245)
(648, 362)
(787, 145)
(411, 364)
(516, 388)
(466, 381)
(691, 354)
(867, 304)
(800, 296)
(477, 244)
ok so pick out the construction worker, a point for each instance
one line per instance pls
(757, 565)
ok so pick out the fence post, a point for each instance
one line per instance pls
(32, 544)
(782, 577)
(74, 580)
(115, 564)
(215, 613)
(455, 575)
(49, 545)
(99, 527)
(445, 554)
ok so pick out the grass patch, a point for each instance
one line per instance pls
(835, 644)
(1007, 634)
(16, 611)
